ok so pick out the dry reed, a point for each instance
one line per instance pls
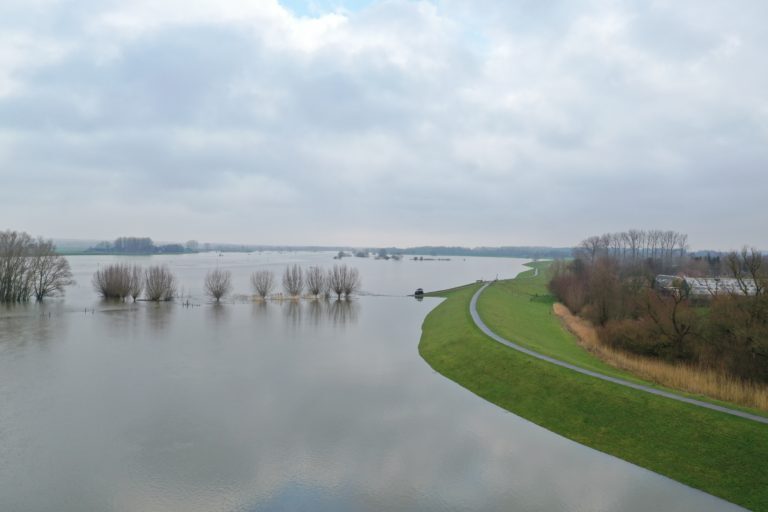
(684, 377)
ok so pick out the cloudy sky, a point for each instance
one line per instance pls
(384, 122)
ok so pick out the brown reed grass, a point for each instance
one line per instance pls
(685, 377)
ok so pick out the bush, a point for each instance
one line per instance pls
(316, 282)
(343, 280)
(113, 281)
(293, 281)
(263, 282)
(218, 283)
(159, 284)
(136, 285)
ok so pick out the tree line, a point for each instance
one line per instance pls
(30, 267)
(635, 245)
(140, 245)
(157, 283)
(339, 280)
(614, 287)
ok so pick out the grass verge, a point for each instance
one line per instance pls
(720, 454)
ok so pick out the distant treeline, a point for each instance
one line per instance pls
(140, 245)
(506, 252)
(144, 245)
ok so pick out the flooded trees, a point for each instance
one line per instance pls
(293, 281)
(343, 280)
(30, 267)
(263, 282)
(159, 283)
(120, 281)
(50, 271)
(136, 282)
(352, 282)
(218, 283)
(113, 281)
(316, 282)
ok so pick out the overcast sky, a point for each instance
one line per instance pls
(388, 122)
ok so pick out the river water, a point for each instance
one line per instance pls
(278, 406)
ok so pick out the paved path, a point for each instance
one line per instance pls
(479, 322)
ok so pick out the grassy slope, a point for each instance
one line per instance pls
(521, 310)
(720, 454)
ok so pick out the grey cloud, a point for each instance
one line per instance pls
(462, 123)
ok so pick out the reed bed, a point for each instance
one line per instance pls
(685, 377)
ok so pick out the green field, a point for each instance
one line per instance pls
(721, 454)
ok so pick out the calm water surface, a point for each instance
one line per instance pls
(279, 406)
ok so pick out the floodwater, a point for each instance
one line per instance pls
(278, 406)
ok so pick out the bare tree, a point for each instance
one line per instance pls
(50, 271)
(15, 275)
(159, 283)
(352, 283)
(592, 247)
(136, 282)
(315, 278)
(113, 281)
(218, 283)
(335, 280)
(293, 281)
(343, 280)
(263, 282)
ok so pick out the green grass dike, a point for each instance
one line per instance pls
(720, 454)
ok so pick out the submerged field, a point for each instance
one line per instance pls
(720, 454)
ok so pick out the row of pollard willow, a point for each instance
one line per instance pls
(120, 281)
(340, 280)
(157, 283)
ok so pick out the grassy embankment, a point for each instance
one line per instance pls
(723, 455)
(521, 310)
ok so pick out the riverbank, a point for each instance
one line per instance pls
(720, 454)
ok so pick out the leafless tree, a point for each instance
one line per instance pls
(113, 281)
(315, 278)
(343, 280)
(749, 271)
(591, 247)
(136, 285)
(665, 247)
(159, 283)
(352, 283)
(263, 282)
(293, 281)
(50, 271)
(15, 275)
(218, 283)
(335, 279)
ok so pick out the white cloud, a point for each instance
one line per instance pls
(457, 122)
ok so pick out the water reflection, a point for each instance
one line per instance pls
(159, 315)
(29, 323)
(343, 311)
(292, 309)
(260, 309)
(218, 313)
(315, 309)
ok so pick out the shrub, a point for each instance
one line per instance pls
(113, 281)
(263, 282)
(218, 283)
(159, 283)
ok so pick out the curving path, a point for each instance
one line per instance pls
(488, 332)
